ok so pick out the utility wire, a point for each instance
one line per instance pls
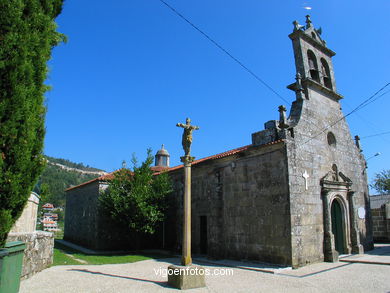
(225, 51)
(359, 107)
(369, 100)
(378, 134)
(366, 121)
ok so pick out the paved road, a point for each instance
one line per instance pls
(144, 276)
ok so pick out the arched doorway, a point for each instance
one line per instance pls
(337, 226)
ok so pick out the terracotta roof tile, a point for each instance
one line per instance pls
(105, 177)
(225, 154)
(159, 169)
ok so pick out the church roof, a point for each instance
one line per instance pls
(158, 169)
(162, 152)
(225, 154)
(105, 177)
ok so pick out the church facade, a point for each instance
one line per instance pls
(296, 195)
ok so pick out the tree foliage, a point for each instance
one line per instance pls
(136, 198)
(382, 182)
(27, 36)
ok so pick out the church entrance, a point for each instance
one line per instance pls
(337, 226)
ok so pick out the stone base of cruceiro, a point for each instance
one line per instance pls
(186, 277)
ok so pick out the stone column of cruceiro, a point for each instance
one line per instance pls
(187, 160)
(186, 276)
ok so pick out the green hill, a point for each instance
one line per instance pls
(61, 174)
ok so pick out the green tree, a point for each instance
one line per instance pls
(382, 182)
(137, 198)
(27, 36)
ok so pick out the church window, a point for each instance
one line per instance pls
(164, 161)
(326, 74)
(331, 139)
(313, 67)
(313, 35)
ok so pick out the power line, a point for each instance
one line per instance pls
(225, 51)
(359, 107)
(369, 100)
(378, 134)
(366, 122)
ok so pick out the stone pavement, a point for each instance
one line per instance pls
(363, 274)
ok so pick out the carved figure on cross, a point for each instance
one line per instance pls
(187, 135)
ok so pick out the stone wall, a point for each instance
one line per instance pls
(310, 151)
(38, 254)
(28, 220)
(81, 214)
(319, 143)
(243, 202)
(381, 223)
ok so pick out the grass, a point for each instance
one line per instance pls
(64, 255)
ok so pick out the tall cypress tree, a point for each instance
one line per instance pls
(27, 36)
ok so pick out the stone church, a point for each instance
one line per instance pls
(296, 195)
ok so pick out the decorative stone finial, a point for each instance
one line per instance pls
(282, 117)
(308, 21)
(298, 79)
(298, 86)
(297, 26)
(357, 142)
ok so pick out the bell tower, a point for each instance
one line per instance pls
(162, 158)
(327, 174)
(313, 61)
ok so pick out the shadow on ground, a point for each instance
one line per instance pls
(160, 283)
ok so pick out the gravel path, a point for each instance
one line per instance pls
(141, 277)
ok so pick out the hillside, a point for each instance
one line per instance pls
(61, 174)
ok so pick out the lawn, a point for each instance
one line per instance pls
(64, 255)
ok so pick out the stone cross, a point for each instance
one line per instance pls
(187, 160)
(305, 176)
(282, 117)
(187, 136)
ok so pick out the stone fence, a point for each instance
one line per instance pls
(39, 250)
(380, 212)
(381, 223)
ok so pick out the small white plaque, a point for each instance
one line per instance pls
(362, 213)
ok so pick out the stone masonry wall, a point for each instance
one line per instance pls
(38, 254)
(381, 225)
(81, 215)
(309, 150)
(244, 198)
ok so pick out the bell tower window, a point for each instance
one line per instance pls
(313, 66)
(326, 74)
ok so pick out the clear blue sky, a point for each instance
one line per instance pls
(132, 69)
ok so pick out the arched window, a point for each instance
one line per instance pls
(313, 66)
(331, 139)
(326, 74)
